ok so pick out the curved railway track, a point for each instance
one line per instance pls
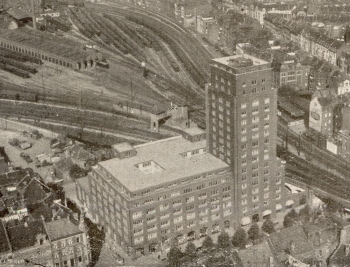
(198, 55)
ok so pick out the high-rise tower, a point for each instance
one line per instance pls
(241, 107)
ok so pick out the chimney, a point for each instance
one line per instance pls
(82, 222)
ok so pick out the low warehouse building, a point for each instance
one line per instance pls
(47, 47)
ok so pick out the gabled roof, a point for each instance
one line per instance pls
(79, 153)
(18, 14)
(64, 164)
(280, 242)
(325, 101)
(62, 228)
(34, 192)
(258, 255)
(24, 236)
(12, 177)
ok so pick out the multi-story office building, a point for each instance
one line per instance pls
(158, 191)
(241, 107)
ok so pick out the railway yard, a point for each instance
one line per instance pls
(149, 62)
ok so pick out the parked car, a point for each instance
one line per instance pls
(26, 157)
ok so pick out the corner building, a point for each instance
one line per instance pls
(159, 191)
(241, 107)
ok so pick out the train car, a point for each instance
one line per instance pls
(102, 64)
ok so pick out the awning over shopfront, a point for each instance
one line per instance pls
(266, 212)
(289, 202)
(245, 221)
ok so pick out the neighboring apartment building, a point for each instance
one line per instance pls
(321, 114)
(70, 246)
(30, 244)
(287, 71)
(57, 243)
(241, 106)
(158, 191)
(259, 10)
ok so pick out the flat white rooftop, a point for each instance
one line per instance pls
(239, 61)
(162, 162)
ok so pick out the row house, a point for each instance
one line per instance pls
(259, 10)
(310, 40)
(56, 243)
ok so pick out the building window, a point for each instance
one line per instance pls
(253, 81)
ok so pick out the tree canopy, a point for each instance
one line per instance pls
(190, 251)
(268, 226)
(76, 172)
(174, 257)
(254, 232)
(239, 238)
(288, 221)
(223, 240)
(208, 243)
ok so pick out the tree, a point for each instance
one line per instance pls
(190, 251)
(174, 257)
(293, 214)
(76, 172)
(268, 226)
(208, 243)
(254, 232)
(288, 221)
(223, 240)
(306, 211)
(239, 239)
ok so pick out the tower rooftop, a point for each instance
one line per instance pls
(240, 61)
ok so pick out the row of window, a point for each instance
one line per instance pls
(212, 205)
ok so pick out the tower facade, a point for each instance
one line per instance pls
(241, 107)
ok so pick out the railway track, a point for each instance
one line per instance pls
(316, 153)
(198, 55)
(311, 175)
(46, 113)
